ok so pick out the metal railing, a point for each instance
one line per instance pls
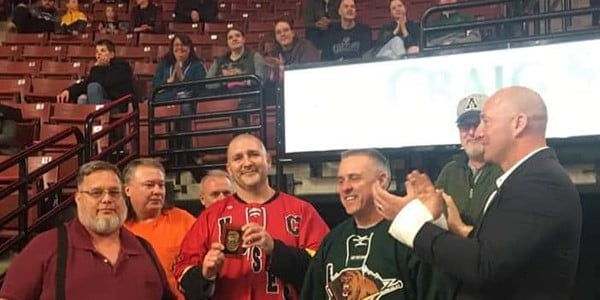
(117, 124)
(566, 14)
(25, 178)
(206, 90)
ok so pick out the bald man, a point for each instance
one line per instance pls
(214, 186)
(254, 244)
(526, 243)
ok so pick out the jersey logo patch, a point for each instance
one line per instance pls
(292, 224)
(356, 281)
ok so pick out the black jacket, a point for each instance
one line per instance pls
(116, 79)
(526, 245)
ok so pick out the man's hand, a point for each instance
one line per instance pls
(256, 235)
(323, 23)
(426, 192)
(63, 97)
(387, 204)
(213, 261)
(195, 16)
(455, 223)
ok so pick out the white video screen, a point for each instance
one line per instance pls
(412, 102)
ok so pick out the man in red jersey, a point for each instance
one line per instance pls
(255, 244)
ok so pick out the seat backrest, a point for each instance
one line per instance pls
(144, 69)
(10, 203)
(12, 52)
(14, 89)
(44, 52)
(72, 113)
(83, 39)
(142, 53)
(260, 27)
(65, 70)
(218, 27)
(122, 39)
(75, 52)
(18, 69)
(188, 28)
(49, 130)
(13, 38)
(101, 7)
(150, 39)
(46, 89)
(217, 105)
(35, 111)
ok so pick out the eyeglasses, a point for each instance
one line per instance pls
(99, 193)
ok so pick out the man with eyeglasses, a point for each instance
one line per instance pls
(468, 179)
(150, 217)
(91, 257)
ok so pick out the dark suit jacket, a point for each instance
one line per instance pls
(527, 243)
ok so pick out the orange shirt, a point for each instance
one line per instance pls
(165, 234)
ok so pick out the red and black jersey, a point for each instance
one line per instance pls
(294, 225)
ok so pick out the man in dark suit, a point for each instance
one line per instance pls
(526, 244)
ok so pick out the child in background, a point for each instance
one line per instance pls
(110, 24)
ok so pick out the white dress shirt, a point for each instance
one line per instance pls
(415, 214)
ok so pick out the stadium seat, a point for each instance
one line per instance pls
(33, 52)
(63, 70)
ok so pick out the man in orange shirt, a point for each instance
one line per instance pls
(162, 225)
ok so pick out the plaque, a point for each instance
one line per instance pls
(231, 238)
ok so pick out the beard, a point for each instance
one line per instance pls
(474, 149)
(104, 225)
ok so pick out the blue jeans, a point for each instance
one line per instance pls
(96, 94)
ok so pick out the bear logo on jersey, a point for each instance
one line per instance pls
(356, 281)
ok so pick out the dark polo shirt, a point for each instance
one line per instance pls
(32, 274)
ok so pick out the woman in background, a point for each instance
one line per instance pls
(403, 28)
(180, 64)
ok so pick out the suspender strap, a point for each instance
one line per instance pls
(61, 262)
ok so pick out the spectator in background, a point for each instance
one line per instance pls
(468, 179)
(318, 16)
(237, 61)
(73, 21)
(349, 39)
(42, 17)
(290, 49)
(150, 217)
(109, 79)
(214, 186)
(402, 28)
(110, 24)
(179, 64)
(452, 36)
(195, 11)
(145, 17)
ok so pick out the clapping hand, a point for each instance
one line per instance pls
(426, 192)
(388, 204)
(455, 223)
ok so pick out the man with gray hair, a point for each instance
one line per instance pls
(80, 259)
(358, 259)
(214, 186)
(468, 179)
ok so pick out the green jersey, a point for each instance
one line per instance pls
(354, 263)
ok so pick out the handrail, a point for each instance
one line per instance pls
(481, 23)
(21, 185)
(92, 137)
(207, 93)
